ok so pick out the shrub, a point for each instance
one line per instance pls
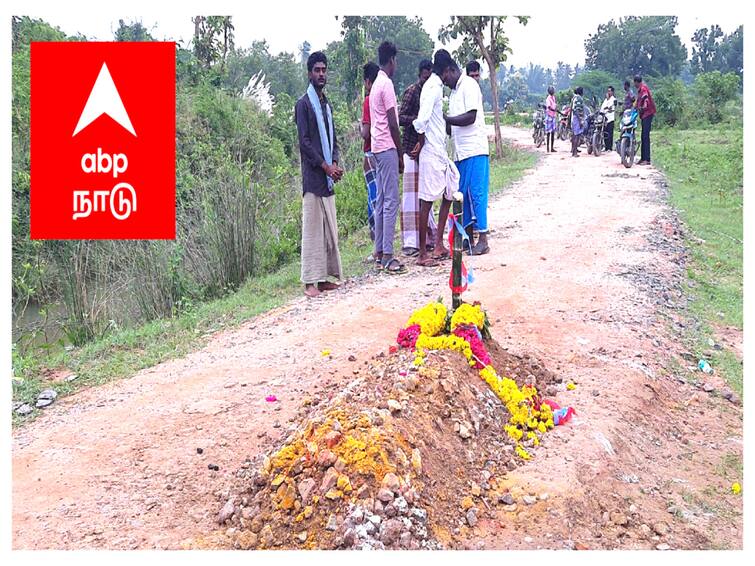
(712, 90)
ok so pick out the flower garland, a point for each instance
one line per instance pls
(422, 332)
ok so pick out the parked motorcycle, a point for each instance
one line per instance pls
(627, 146)
(538, 125)
(564, 123)
(594, 137)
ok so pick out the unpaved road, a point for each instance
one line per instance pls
(584, 272)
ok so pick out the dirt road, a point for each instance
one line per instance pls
(584, 272)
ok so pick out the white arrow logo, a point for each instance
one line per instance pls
(104, 99)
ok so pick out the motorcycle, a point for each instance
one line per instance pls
(594, 137)
(538, 125)
(564, 123)
(627, 146)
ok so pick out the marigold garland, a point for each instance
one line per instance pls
(422, 332)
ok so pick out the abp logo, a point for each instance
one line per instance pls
(103, 149)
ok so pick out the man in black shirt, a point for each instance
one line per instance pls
(318, 148)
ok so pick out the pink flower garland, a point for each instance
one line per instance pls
(472, 335)
(407, 337)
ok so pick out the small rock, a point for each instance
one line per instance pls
(385, 495)
(340, 465)
(633, 508)
(419, 514)
(476, 491)
(467, 503)
(544, 497)
(302, 536)
(349, 538)
(363, 492)
(42, 403)
(660, 528)
(332, 523)
(464, 432)
(332, 438)
(528, 540)
(326, 458)
(50, 394)
(708, 387)
(618, 518)
(662, 546)
(329, 480)
(417, 461)
(344, 484)
(333, 494)
(390, 510)
(266, 536)
(645, 531)
(305, 487)
(401, 505)
(308, 511)
(472, 517)
(375, 520)
(394, 405)
(506, 499)
(352, 358)
(391, 481)
(510, 508)
(529, 499)
(405, 539)
(390, 531)
(226, 512)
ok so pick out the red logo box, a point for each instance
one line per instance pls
(103, 140)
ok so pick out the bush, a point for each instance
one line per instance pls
(671, 101)
(712, 90)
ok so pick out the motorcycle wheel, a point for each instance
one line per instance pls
(627, 159)
(540, 137)
(597, 143)
(563, 132)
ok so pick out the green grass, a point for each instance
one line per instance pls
(704, 172)
(123, 353)
(512, 119)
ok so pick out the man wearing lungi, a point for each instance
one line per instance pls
(410, 219)
(467, 121)
(318, 147)
(438, 176)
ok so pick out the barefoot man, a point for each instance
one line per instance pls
(438, 176)
(320, 257)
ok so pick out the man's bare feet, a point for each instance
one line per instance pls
(327, 286)
(441, 252)
(426, 260)
(311, 291)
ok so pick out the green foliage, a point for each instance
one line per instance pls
(704, 169)
(714, 51)
(713, 90)
(671, 101)
(646, 45)
(134, 31)
(595, 83)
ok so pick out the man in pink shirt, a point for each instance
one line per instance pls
(386, 146)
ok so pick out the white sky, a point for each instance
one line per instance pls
(545, 40)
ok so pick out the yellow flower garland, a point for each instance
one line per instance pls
(519, 402)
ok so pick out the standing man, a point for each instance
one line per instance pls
(628, 96)
(438, 176)
(609, 107)
(467, 122)
(577, 120)
(370, 71)
(318, 147)
(646, 108)
(473, 70)
(410, 219)
(386, 146)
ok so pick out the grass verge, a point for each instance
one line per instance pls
(125, 352)
(703, 168)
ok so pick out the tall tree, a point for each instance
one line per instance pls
(704, 49)
(482, 37)
(646, 45)
(562, 76)
(213, 39)
(304, 51)
(133, 31)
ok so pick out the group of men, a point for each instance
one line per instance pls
(429, 175)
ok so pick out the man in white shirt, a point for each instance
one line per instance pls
(609, 107)
(438, 176)
(466, 119)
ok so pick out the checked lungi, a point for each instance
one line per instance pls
(410, 208)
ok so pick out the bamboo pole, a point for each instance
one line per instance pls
(456, 268)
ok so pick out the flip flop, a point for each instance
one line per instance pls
(410, 252)
(427, 262)
(401, 268)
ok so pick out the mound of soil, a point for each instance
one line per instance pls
(401, 458)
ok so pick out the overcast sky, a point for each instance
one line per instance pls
(545, 40)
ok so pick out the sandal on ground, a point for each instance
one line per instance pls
(327, 286)
(312, 292)
(483, 251)
(394, 267)
(428, 262)
(410, 252)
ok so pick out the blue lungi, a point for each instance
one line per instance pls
(474, 181)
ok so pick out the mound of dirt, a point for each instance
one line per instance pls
(401, 458)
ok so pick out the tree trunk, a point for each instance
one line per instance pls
(496, 113)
